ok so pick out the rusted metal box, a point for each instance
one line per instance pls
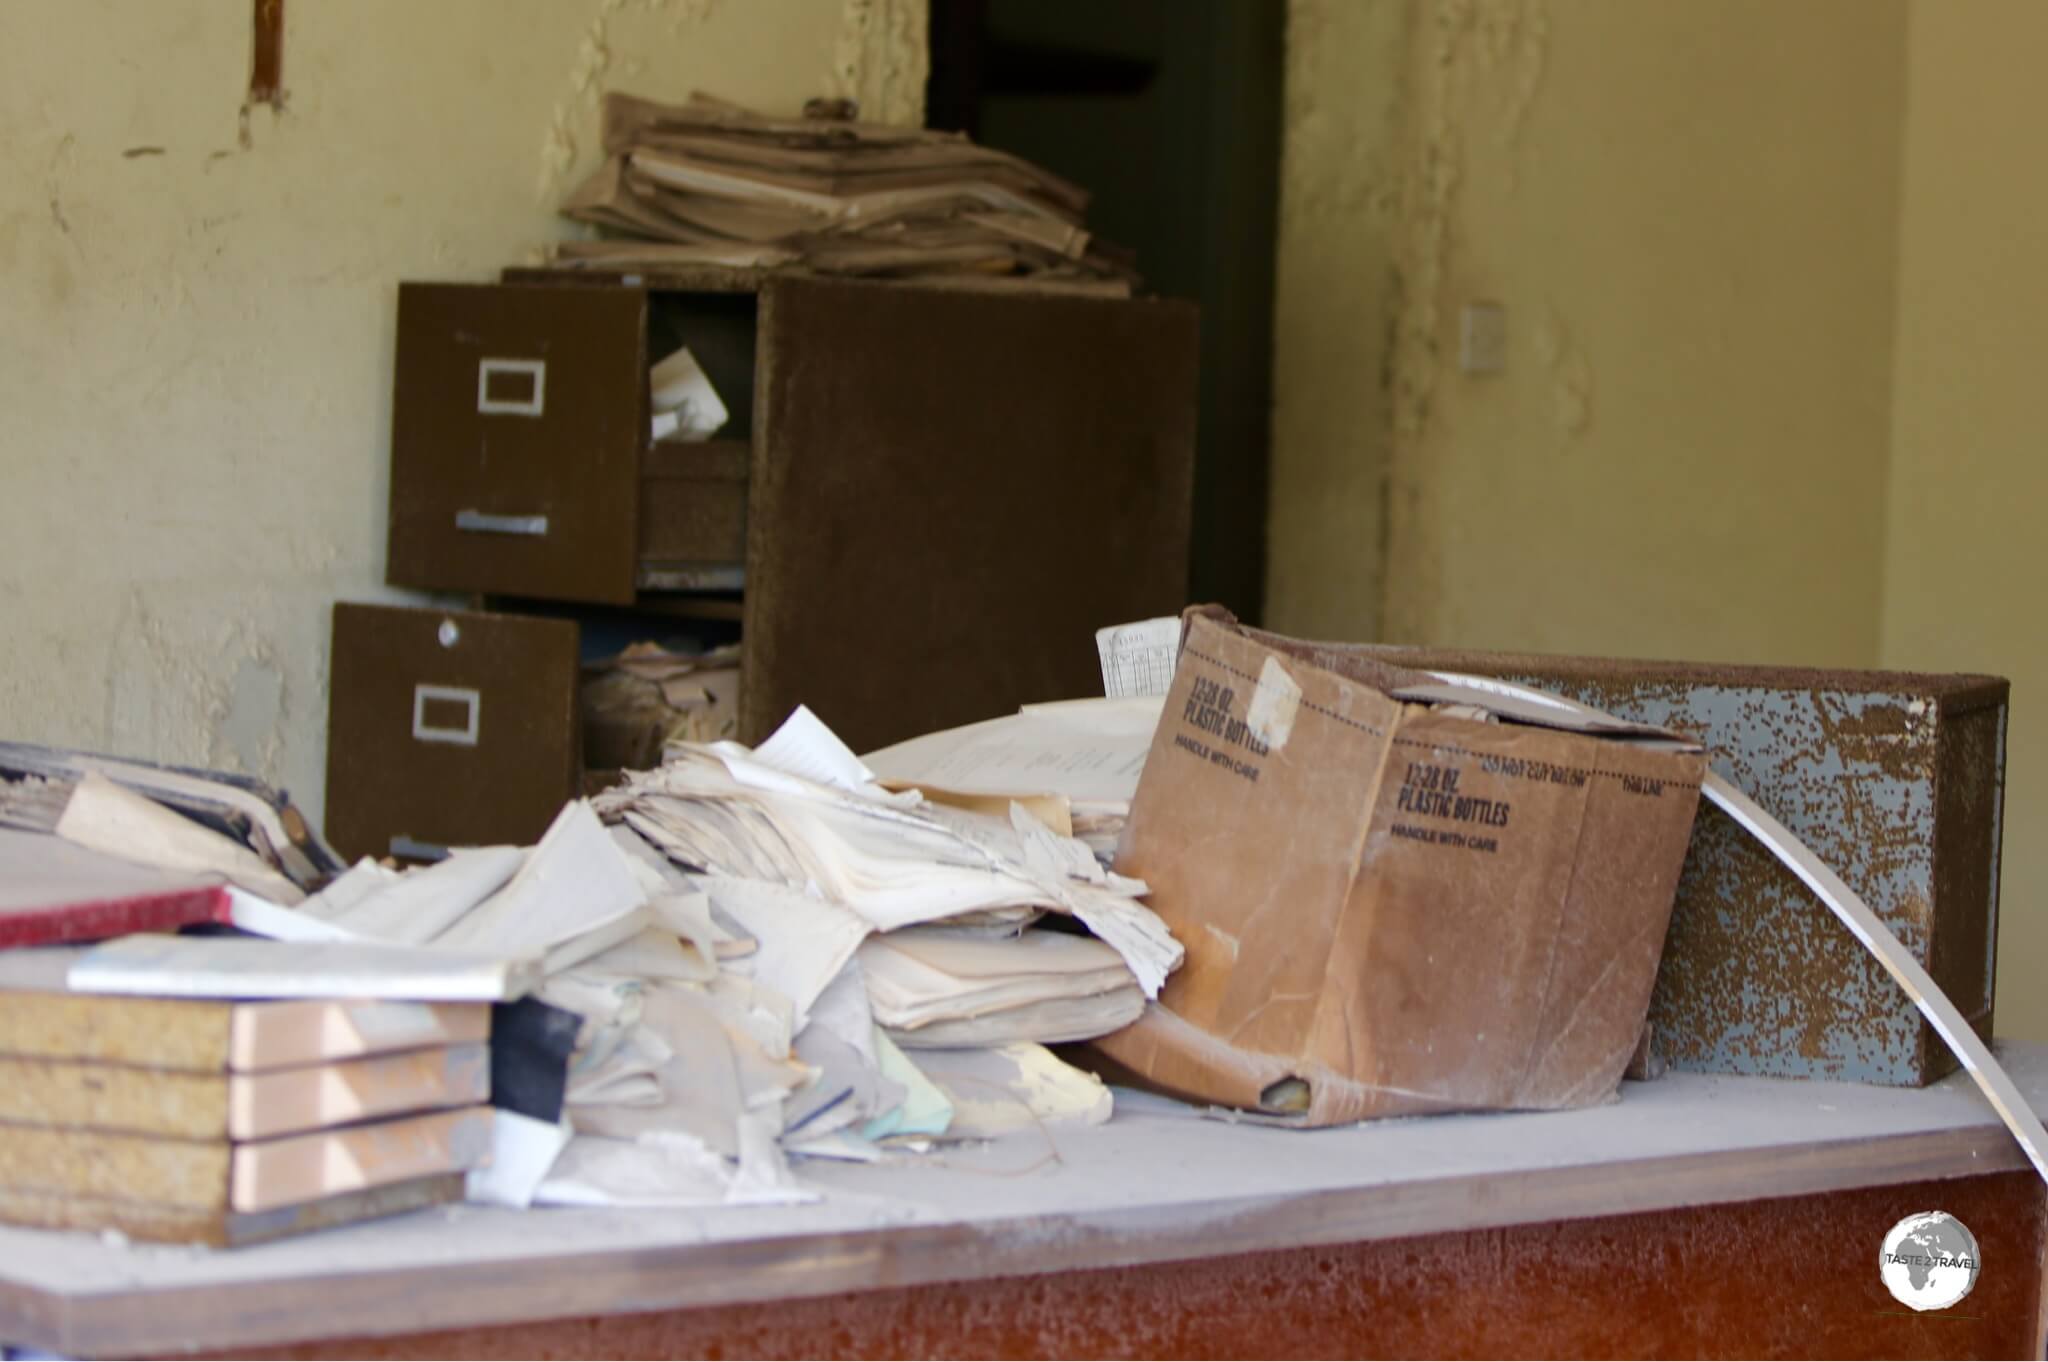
(448, 728)
(1896, 780)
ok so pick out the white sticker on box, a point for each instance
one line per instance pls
(1275, 700)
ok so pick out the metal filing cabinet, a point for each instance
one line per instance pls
(927, 500)
(1895, 780)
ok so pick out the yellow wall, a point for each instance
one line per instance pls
(1966, 559)
(195, 330)
(1775, 295)
(1687, 211)
(1333, 296)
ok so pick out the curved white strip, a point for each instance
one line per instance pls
(1867, 928)
(1975, 1055)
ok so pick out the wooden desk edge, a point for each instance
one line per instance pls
(681, 1276)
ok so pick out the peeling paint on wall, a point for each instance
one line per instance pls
(195, 353)
(882, 58)
(1344, 97)
(577, 108)
(1480, 73)
(1687, 212)
(206, 691)
(1571, 374)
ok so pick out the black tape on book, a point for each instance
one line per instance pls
(531, 1042)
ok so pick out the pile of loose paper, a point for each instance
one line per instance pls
(773, 955)
(744, 954)
(709, 184)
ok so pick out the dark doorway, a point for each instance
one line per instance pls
(1168, 111)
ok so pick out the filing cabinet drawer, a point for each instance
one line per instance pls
(448, 728)
(519, 421)
(693, 511)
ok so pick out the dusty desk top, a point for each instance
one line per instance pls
(1159, 1182)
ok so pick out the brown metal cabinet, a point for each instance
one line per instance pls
(926, 501)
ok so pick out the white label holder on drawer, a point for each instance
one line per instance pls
(534, 404)
(466, 696)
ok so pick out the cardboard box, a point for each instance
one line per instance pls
(1397, 896)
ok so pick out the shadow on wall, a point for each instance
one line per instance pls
(1168, 112)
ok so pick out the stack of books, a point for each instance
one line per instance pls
(222, 1121)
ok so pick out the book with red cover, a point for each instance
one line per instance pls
(52, 891)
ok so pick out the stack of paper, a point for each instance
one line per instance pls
(708, 184)
(688, 1091)
(804, 812)
(747, 951)
(1085, 754)
(638, 701)
(934, 987)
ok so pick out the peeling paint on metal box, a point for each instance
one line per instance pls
(1758, 977)
(1895, 780)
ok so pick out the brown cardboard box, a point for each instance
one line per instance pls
(1392, 900)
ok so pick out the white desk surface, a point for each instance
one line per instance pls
(1159, 1182)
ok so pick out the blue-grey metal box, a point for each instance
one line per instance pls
(1896, 780)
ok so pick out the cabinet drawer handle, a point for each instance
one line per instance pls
(483, 522)
(446, 725)
(511, 387)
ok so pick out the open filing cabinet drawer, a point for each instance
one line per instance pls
(448, 728)
(522, 462)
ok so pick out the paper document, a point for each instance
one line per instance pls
(1043, 986)
(803, 746)
(1091, 751)
(1138, 659)
(686, 406)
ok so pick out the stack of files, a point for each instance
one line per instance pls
(708, 184)
(222, 1121)
(935, 988)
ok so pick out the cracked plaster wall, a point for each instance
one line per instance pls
(1688, 212)
(195, 334)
